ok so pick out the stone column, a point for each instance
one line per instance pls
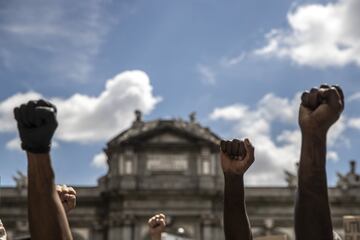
(211, 227)
(97, 231)
(114, 230)
(207, 227)
(127, 228)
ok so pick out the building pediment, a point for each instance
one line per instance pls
(167, 138)
(165, 131)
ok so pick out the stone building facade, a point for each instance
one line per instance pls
(172, 166)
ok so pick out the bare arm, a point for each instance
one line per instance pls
(46, 214)
(3, 235)
(236, 222)
(156, 226)
(235, 160)
(319, 110)
(37, 123)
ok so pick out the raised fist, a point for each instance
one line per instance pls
(156, 226)
(67, 196)
(3, 235)
(236, 156)
(36, 123)
(320, 108)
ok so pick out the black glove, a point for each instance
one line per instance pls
(37, 123)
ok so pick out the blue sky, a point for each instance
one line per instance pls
(238, 64)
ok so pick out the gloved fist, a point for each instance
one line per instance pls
(36, 122)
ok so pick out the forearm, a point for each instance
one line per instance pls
(47, 218)
(236, 222)
(312, 211)
(156, 237)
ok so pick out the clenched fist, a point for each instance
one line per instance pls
(67, 196)
(320, 109)
(36, 123)
(3, 235)
(236, 156)
(156, 226)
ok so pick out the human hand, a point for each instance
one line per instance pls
(3, 235)
(67, 196)
(236, 156)
(156, 226)
(36, 123)
(320, 109)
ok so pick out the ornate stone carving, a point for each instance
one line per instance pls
(349, 180)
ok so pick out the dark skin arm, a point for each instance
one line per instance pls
(236, 157)
(46, 214)
(319, 110)
(37, 123)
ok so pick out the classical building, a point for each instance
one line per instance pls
(172, 166)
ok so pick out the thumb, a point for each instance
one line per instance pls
(250, 151)
(333, 98)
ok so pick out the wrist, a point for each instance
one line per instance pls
(231, 176)
(312, 157)
(36, 149)
(314, 133)
(234, 183)
(311, 138)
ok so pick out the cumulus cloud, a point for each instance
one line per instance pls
(84, 118)
(100, 161)
(354, 97)
(61, 37)
(207, 74)
(275, 150)
(15, 144)
(320, 35)
(232, 61)
(7, 122)
(354, 123)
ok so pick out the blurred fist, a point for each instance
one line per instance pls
(156, 226)
(3, 235)
(320, 109)
(67, 196)
(236, 156)
(36, 122)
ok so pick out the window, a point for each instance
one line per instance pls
(206, 167)
(167, 162)
(128, 167)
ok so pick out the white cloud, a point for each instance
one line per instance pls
(84, 118)
(232, 112)
(319, 35)
(7, 122)
(57, 37)
(207, 74)
(100, 161)
(332, 155)
(275, 150)
(354, 97)
(232, 61)
(354, 123)
(15, 144)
